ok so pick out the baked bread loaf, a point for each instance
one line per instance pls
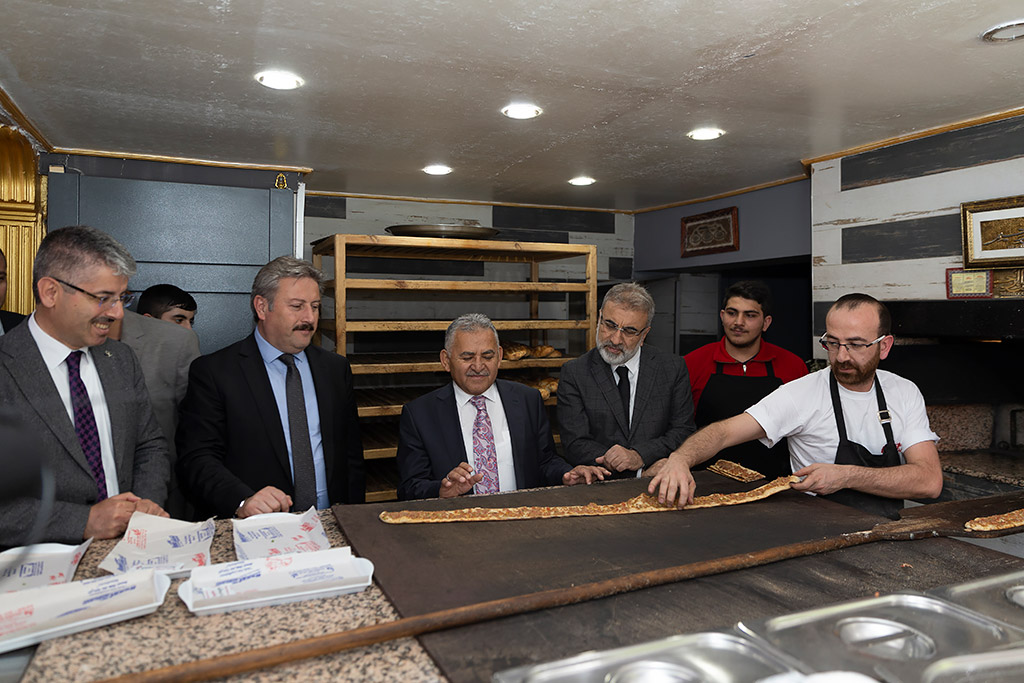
(514, 351)
(542, 351)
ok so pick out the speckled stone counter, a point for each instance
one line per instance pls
(1006, 468)
(173, 635)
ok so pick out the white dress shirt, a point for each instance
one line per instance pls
(55, 355)
(499, 426)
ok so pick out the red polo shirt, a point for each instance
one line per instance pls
(700, 364)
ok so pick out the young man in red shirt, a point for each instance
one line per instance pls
(734, 373)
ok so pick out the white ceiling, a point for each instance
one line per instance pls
(392, 86)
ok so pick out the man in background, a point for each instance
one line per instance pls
(730, 375)
(269, 423)
(8, 319)
(170, 303)
(84, 397)
(623, 405)
(479, 432)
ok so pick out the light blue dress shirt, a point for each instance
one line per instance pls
(277, 371)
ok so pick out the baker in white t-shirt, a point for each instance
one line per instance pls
(874, 452)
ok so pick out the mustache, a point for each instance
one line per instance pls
(304, 327)
(484, 373)
(610, 345)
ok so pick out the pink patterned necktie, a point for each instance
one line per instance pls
(485, 459)
(85, 423)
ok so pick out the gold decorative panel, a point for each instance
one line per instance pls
(22, 202)
(1008, 283)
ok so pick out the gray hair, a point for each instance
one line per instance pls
(269, 278)
(68, 252)
(470, 322)
(632, 297)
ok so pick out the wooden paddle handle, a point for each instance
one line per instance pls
(260, 658)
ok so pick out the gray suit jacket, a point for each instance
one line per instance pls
(140, 450)
(165, 352)
(590, 414)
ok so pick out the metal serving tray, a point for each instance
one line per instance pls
(1000, 597)
(712, 657)
(892, 638)
(1005, 666)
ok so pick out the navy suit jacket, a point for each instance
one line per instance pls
(230, 438)
(430, 442)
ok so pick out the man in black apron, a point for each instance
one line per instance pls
(853, 429)
(734, 373)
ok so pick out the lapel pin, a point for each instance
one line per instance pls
(108, 354)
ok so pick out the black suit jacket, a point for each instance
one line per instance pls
(230, 438)
(430, 442)
(590, 414)
(8, 320)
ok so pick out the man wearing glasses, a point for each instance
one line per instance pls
(856, 434)
(624, 405)
(84, 398)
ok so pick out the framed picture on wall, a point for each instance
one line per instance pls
(711, 232)
(993, 233)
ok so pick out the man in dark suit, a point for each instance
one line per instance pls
(8, 319)
(622, 404)
(498, 426)
(84, 397)
(269, 423)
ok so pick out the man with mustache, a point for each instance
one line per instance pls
(856, 434)
(82, 396)
(624, 405)
(479, 433)
(730, 375)
(269, 423)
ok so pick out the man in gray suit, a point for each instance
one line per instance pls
(165, 351)
(84, 397)
(624, 405)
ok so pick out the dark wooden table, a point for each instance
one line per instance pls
(423, 568)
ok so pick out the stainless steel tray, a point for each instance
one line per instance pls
(892, 638)
(1006, 666)
(442, 230)
(1000, 597)
(712, 657)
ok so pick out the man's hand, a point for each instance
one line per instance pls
(109, 518)
(267, 499)
(619, 459)
(150, 508)
(655, 468)
(823, 478)
(673, 481)
(460, 480)
(584, 474)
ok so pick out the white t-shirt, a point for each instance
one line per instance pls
(802, 411)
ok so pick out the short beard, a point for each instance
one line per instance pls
(864, 373)
(627, 354)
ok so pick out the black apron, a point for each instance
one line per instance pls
(851, 453)
(726, 396)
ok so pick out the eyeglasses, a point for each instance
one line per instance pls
(851, 347)
(611, 327)
(104, 301)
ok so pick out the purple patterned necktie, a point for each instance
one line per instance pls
(85, 423)
(485, 459)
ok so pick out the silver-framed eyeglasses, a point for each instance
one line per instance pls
(611, 327)
(104, 301)
(851, 347)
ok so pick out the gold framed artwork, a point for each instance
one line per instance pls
(993, 233)
(711, 233)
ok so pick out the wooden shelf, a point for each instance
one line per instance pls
(394, 363)
(328, 326)
(459, 286)
(446, 249)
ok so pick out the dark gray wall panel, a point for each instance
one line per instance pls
(222, 319)
(978, 319)
(282, 213)
(325, 207)
(552, 219)
(177, 222)
(62, 200)
(963, 148)
(903, 240)
(620, 268)
(194, 277)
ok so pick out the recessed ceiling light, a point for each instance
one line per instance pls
(1004, 33)
(279, 80)
(705, 133)
(582, 180)
(437, 169)
(522, 110)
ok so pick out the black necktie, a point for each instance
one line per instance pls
(302, 453)
(623, 374)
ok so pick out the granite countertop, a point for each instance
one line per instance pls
(172, 635)
(1004, 467)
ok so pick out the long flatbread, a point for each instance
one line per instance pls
(728, 468)
(641, 503)
(1006, 520)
